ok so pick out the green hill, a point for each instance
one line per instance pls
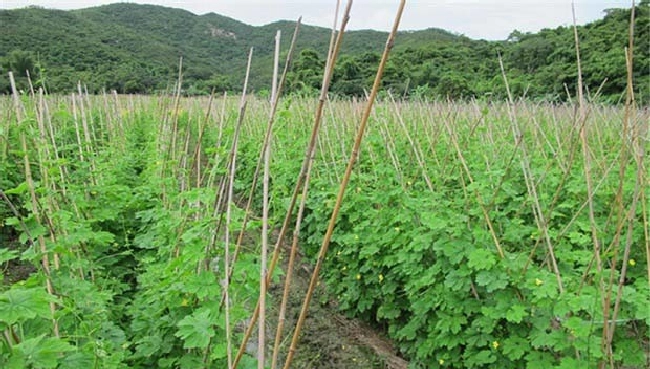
(136, 48)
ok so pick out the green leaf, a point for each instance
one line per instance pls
(481, 259)
(481, 358)
(516, 313)
(572, 363)
(433, 221)
(219, 351)
(515, 347)
(196, 329)
(21, 304)
(6, 255)
(43, 353)
(78, 360)
(190, 362)
(21, 188)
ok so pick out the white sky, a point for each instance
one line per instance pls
(489, 19)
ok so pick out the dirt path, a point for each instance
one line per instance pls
(329, 339)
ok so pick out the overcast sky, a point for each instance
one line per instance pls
(488, 19)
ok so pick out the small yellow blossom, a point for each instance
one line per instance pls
(632, 262)
(358, 276)
(495, 344)
(396, 229)
(441, 361)
(538, 282)
(408, 183)
(381, 277)
(185, 302)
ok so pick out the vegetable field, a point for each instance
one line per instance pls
(475, 235)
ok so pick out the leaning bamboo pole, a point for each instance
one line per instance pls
(45, 259)
(261, 332)
(346, 179)
(303, 170)
(249, 203)
(301, 208)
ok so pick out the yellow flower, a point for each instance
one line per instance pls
(358, 276)
(381, 277)
(495, 344)
(441, 361)
(396, 229)
(185, 302)
(632, 262)
(538, 282)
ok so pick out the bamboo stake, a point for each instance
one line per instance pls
(45, 260)
(254, 184)
(327, 77)
(416, 148)
(231, 181)
(346, 179)
(542, 224)
(630, 110)
(261, 332)
(587, 173)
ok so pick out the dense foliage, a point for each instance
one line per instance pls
(445, 240)
(136, 48)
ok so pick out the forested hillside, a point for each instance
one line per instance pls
(134, 48)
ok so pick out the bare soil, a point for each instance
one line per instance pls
(329, 340)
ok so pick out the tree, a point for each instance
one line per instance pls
(21, 63)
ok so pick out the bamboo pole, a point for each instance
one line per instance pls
(346, 178)
(327, 77)
(254, 184)
(542, 223)
(261, 332)
(45, 259)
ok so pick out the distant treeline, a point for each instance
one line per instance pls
(136, 49)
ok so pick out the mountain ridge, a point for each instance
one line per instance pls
(135, 48)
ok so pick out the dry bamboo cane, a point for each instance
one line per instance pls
(296, 232)
(48, 183)
(45, 260)
(479, 197)
(76, 127)
(542, 224)
(249, 203)
(587, 173)
(346, 179)
(217, 206)
(327, 77)
(86, 131)
(169, 151)
(196, 155)
(416, 149)
(209, 176)
(231, 181)
(261, 331)
(630, 110)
